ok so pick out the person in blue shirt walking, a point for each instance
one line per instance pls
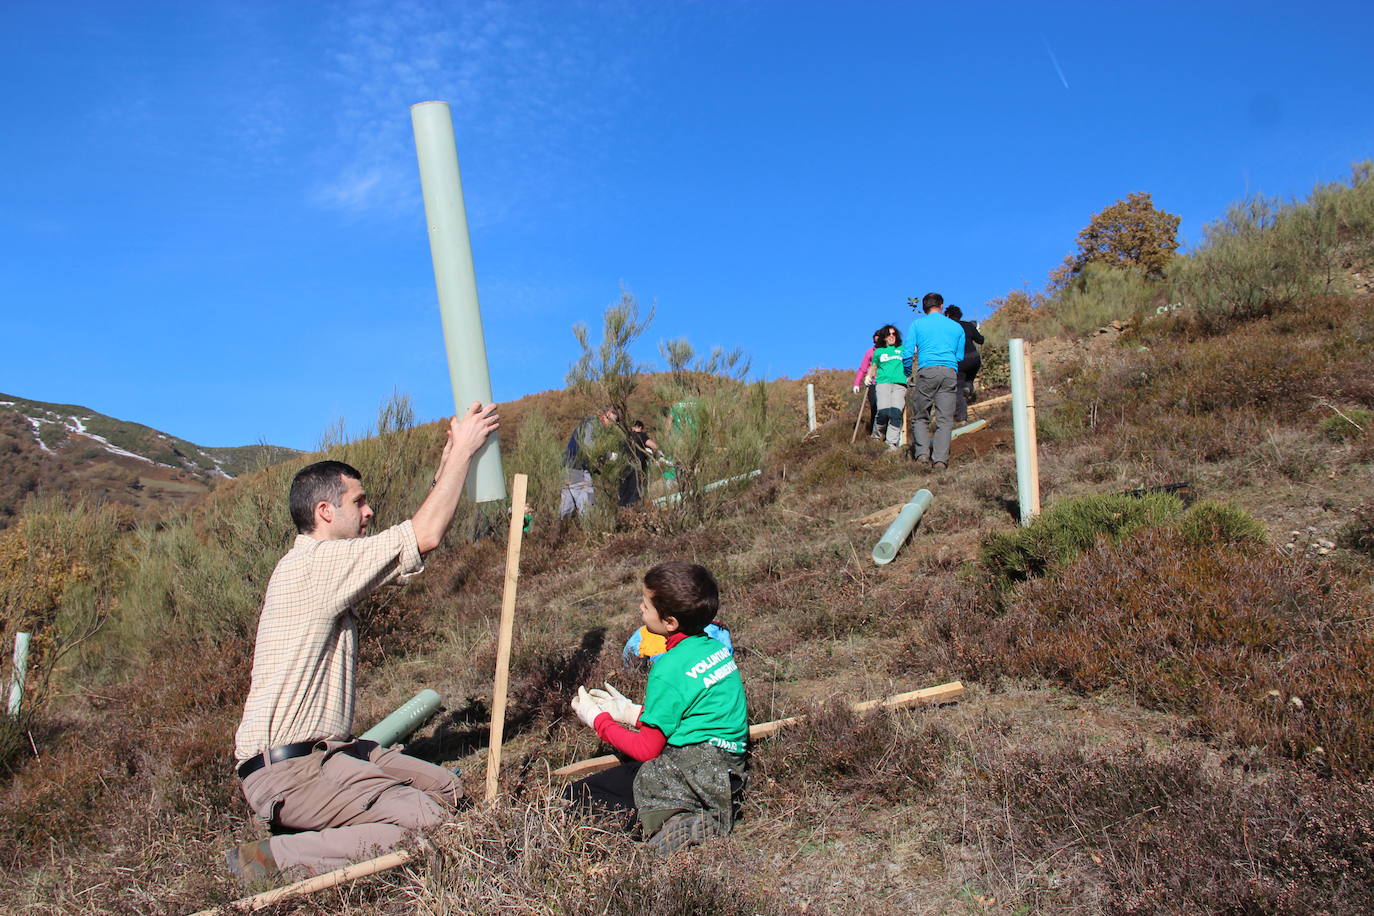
(937, 344)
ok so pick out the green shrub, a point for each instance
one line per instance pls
(1099, 295)
(1068, 528)
(1349, 424)
(1212, 523)
(1266, 255)
(725, 436)
(538, 453)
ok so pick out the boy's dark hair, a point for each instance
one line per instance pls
(321, 481)
(685, 591)
(954, 312)
(932, 301)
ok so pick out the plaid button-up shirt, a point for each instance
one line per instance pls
(305, 658)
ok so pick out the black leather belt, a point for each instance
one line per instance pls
(276, 755)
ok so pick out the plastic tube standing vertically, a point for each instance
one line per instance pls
(811, 407)
(1023, 433)
(456, 282)
(18, 671)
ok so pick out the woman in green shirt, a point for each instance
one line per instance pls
(889, 380)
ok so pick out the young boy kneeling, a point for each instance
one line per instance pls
(692, 731)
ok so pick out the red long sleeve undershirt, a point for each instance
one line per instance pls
(642, 745)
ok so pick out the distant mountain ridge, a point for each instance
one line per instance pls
(48, 448)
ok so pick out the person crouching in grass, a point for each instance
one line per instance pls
(690, 738)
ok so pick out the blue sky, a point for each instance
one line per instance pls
(210, 218)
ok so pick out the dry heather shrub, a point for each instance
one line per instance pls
(885, 754)
(1149, 834)
(1358, 535)
(516, 857)
(1261, 648)
(1218, 398)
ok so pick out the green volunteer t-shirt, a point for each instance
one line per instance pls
(889, 363)
(695, 695)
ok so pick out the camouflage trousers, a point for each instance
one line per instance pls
(697, 777)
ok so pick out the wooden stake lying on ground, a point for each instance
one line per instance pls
(498, 691)
(880, 519)
(317, 883)
(941, 694)
(990, 401)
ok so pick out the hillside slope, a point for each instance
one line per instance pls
(73, 450)
(1143, 765)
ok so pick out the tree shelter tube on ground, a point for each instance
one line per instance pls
(900, 529)
(400, 724)
(456, 282)
(969, 428)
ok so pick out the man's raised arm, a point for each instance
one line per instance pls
(466, 435)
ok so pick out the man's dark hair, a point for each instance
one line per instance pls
(684, 591)
(321, 481)
(954, 312)
(931, 301)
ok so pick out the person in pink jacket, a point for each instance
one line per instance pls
(860, 376)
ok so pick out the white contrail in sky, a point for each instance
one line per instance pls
(1054, 60)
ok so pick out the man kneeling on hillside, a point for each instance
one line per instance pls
(332, 798)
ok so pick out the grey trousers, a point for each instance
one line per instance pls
(348, 809)
(891, 396)
(577, 492)
(934, 386)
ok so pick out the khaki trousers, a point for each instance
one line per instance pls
(345, 809)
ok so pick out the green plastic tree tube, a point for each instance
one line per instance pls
(970, 428)
(1020, 425)
(400, 724)
(18, 671)
(456, 282)
(900, 529)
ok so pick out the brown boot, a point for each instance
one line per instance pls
(252, 863)
(683, 829)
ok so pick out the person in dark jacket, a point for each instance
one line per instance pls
(968, 366)
(578, 464)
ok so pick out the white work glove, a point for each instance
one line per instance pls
(856, 389)
(587, 709)
(618, 705)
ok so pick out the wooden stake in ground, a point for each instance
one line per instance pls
(941, 694)
(498, 691)
(1030, 431)
(863, 398)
